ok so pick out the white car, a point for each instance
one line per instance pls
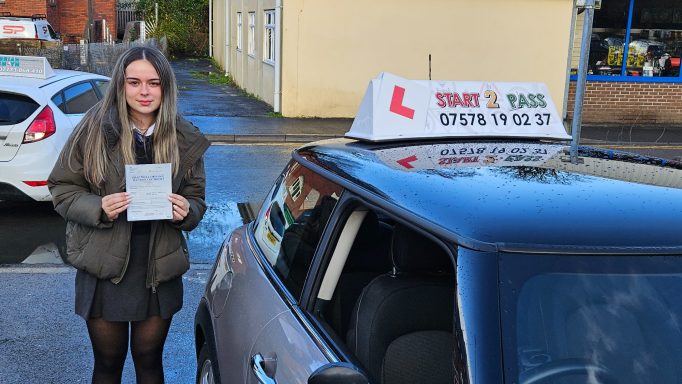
(37, 115)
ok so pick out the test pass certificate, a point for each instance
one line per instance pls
(149, 186)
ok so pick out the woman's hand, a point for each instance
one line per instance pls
(114, 204)
(180, 207)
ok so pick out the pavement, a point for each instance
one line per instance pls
(226, 114)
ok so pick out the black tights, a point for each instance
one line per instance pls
(110, 346)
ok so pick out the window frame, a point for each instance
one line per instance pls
(239, 31)
(251, 48)
(623, 77)
(269, 38)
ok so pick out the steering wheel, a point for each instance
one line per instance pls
(566, 367)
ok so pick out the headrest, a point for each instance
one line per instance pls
(413, 252)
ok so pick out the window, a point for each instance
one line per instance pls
(288, 230)
(252, 32)
(600, 310)
(239, 31)
(634, 40)
(52, 33)
(15, 108)
(387, 296)
(102, 86)
(269, 37)
(76, 99)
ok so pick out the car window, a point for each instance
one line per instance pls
(15, 108)
(102, 86)
(53, 34)
(596, 311)
(58, 99)
(79, 98)
(387, 297)
(290, 224)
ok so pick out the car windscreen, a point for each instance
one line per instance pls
(15, 108)
(570, 319)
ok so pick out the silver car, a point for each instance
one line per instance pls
(451, 261)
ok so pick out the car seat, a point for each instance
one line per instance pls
(401, 326)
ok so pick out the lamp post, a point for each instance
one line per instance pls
(588, 5)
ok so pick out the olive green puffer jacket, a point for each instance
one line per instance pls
(102, 247)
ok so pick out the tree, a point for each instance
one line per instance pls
(183, 22)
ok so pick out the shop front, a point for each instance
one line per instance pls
(634, 63)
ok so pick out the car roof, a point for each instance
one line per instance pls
(42, 89)
(59, 75)
(610, 202)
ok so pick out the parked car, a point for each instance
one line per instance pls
(26, 27)
(37, 115)
(452, 260)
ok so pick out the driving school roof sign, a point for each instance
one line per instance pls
(25, 66)
(394, 108)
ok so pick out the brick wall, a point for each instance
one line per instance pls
(53, 16)
(26, 7)
(633, 103)
(106, 9)
(67, 17)
(74, 17)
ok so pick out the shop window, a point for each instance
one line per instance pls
(655, 39)
(647, 33)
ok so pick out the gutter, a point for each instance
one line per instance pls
(210, 28)
(228, 15)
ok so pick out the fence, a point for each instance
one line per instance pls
(126, 12)
(94, 57)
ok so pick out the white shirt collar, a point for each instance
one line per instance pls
(149, 131)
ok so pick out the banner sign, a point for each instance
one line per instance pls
(25, 66)
(394, 108)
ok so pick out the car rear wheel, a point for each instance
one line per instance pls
(205, 367)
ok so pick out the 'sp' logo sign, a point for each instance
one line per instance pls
(397, 106)
(12, 29)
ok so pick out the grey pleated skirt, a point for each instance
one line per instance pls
(130, 299)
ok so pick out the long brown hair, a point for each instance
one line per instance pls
(95, 155)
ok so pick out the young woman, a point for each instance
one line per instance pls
(129, 284)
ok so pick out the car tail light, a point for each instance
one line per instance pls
(41, 128)
(39, 183)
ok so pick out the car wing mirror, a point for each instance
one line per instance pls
(338, 373)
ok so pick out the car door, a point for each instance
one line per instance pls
(261, 332)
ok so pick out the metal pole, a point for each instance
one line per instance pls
(582, 75)
(569, 64)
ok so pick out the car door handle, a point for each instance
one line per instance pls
(257, 362)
